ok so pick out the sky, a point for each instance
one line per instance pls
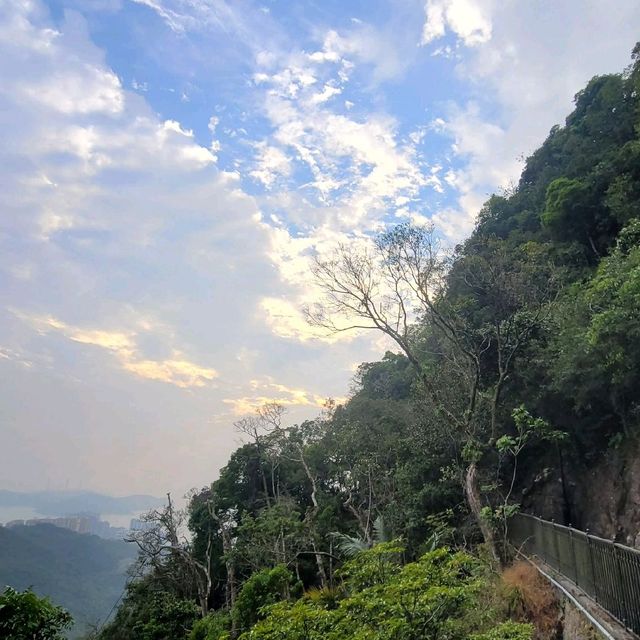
(170, 167)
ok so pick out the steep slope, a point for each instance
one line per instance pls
(83, 573)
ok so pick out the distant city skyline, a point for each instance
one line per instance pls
(81, 523)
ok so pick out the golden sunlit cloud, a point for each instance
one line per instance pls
(176, 370)
(287, 321)
(271, 392)
(181, 373)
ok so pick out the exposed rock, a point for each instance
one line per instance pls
(602, 497)
(575, 626)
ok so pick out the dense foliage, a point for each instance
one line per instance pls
(524, 356)
(25, 616)
(83, 573)
(438, 596)
(152, 614)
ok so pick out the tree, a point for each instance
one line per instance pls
(161, 540)
(263, 428)
(571, 213)
(293, 449)
(149, 613)
(263, 588)
(274, 536)
(213, 531)
(350, 546)
(595, 355)
(215, 626)
(511, 448)
(405, 277)
(436, 597)
(25, 616)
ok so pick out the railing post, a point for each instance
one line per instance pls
(540, 539)
(593, 570)
(573, 553)
(621, 587)
(556, 547)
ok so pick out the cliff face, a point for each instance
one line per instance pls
(607, 496)
(603, 497)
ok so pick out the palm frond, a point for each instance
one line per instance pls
(380, 531)
(348, 546)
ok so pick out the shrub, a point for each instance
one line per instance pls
(538, 601)
(25, 615)
(215, 626)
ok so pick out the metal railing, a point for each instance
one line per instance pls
(606, 571)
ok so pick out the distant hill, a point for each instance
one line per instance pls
(83, 573)
(61, 503)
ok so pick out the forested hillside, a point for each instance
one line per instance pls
(515, 380)
(83, 573)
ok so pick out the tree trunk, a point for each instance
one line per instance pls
(495, 402)
(316, 507)
(204, 606)
(231, 585)
(320, 564)
(472, 493)
(264, 484)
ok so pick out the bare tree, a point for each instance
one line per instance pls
(398, 286)
(224, 520)
(282, 444)
(263, 431)
(161, 539)
(298, 456)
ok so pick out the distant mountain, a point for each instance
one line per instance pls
(83, 573)
(62, 503)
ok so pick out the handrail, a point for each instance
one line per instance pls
(576, 603)
(605, 570)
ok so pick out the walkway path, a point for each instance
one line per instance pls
(601, 577)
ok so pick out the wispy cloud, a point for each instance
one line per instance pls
(356, 160)
(124, 347)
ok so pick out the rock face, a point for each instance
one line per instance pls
(602, 496)
(574, 625)
(609, 497)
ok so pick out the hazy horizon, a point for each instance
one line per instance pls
(118, 511)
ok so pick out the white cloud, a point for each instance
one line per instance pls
(381, 49)
(90, 91)
(271, 164)
(468, 20)
(80, 86)
(250, 30)
(356, 163)
(523, 64)
(328, 92)
(286, 320)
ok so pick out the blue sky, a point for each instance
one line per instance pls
(169, 167)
